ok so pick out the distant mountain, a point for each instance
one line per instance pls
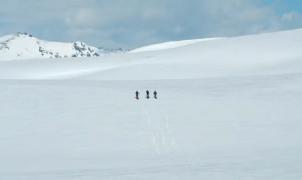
(112, 50)
(25, 46)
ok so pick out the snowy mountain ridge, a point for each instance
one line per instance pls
(25, 46)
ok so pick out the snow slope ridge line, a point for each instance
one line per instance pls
(171, 45)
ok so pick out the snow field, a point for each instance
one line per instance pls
(227, 109)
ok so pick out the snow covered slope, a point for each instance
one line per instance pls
(171, 45)
(227, 109)
(24, 46)
(272, 53)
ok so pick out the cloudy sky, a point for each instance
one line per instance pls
(133, 23)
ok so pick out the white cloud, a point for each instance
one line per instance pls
(83, 17)
(291, 17)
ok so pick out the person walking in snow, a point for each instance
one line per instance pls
(147, 94)
(137, 95)
(155, 94)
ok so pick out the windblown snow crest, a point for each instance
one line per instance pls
(25, 46)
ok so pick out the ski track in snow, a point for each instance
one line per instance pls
(160, 134)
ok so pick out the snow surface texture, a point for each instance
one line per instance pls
(227, 109)
(25, 46)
